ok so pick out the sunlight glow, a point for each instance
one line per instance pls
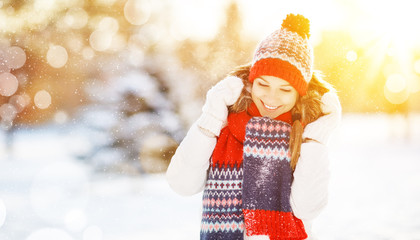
(413, 84)
(395, 89)
(351, 56)
(396, 97)
(396, 83)
(389, 35)
(394, 20)
(417, 66)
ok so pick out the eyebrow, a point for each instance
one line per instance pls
(263, 79)
(283, 85)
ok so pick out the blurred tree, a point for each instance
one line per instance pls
(87, 58)
(212, 60)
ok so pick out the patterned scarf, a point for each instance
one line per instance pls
(249, 180)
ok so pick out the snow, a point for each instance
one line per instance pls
(46, 192)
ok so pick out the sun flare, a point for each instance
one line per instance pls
(390, 30)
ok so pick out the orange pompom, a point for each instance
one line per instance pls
(298, 24)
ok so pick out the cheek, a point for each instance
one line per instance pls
(256, 92)
(291, 99)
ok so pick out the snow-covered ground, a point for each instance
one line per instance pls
(46, 193)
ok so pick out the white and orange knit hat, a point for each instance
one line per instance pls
(286, 53)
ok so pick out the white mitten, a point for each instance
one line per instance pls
(218, 98)
(322, 128)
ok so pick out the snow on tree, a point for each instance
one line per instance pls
(139, 120)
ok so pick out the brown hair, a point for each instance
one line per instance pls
(306, 110)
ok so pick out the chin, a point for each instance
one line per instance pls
(271, 115)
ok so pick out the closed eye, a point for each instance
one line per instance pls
(262, 85)
(286, 89)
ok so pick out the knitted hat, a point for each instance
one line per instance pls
(286, 53)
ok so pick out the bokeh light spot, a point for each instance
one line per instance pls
(395, 89)
(8, 112)
(93, 233)
(396, 97)
(49, 234)
(413, 83)
(19, 102)
(76, 18)
(351, 56)
(137, 12)
(57, 56)
(61, 117)
(396, 83)
(75, 44)
(108, 24)
(8, 84)
(42, 99)
(88, 53)
(100, 40)
(16, 57)
(118, 43)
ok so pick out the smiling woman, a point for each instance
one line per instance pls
(251, 155)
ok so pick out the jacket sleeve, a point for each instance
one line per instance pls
(187, 172)
(309, 193)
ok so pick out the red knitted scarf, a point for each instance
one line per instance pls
(228, 151)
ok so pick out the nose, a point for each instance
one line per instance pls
(274, 95)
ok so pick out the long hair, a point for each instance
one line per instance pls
(306, 110)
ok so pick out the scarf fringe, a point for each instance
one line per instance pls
(275, 224)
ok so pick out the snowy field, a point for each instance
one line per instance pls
(46, 194)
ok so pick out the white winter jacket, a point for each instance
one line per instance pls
(187, 172)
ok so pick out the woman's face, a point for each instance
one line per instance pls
(273, 96)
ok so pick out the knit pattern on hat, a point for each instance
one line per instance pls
(285, 54)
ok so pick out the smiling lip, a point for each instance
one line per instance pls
(270, 108)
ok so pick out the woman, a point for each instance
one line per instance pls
(259, 148)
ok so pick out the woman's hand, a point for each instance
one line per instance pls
(215, 109)
(321, 129)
